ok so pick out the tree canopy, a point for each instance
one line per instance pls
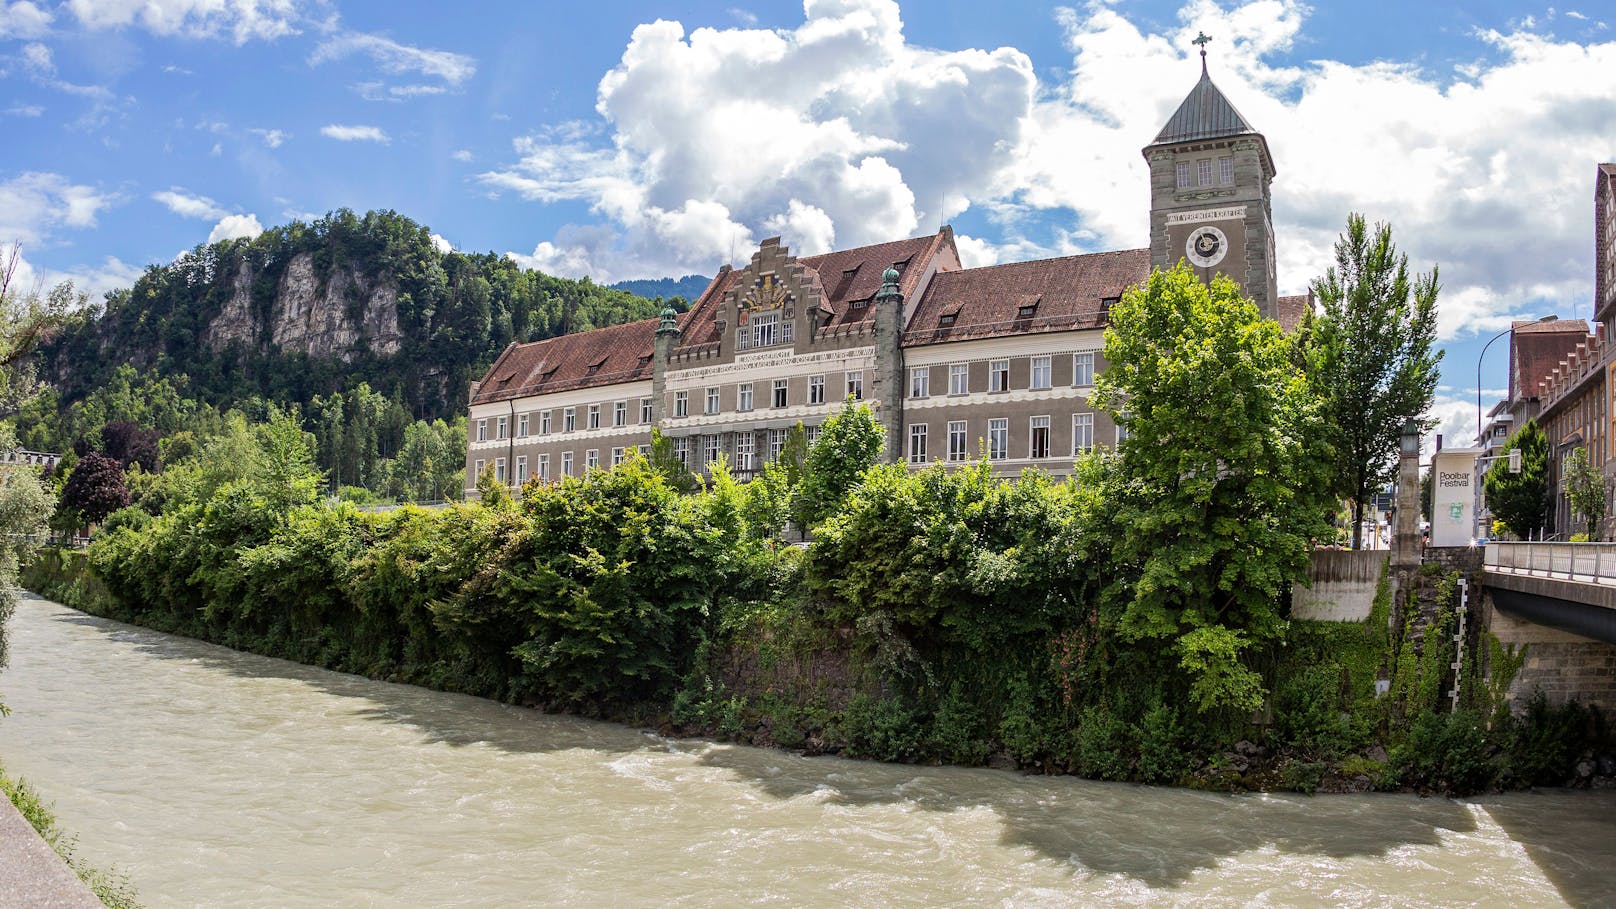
(1521, 500)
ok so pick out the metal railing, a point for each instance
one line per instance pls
(1594, 563)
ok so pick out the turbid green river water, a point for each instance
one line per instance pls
(217, 778)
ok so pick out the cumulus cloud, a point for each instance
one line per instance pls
(34, 204)
(355, 133)
(23, 20)
(442, 245)
(242, 20)
(271, 137)
(235, 227)
(397, 59)
(189, 205)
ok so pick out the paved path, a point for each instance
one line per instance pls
(32, 875)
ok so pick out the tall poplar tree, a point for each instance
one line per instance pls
(1370, 357)
(1521, 500)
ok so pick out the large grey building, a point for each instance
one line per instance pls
(955, 362)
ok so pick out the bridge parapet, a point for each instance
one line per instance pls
(1593, 563)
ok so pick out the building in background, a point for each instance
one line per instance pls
(956, 363)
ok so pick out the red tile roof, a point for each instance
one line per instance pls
(605, 356)
(1536, 349)
(1063, 294)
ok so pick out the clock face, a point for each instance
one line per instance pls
(1206, 247)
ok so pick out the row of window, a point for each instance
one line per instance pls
(998, 438)
(1042, 375)
(764, 330)
(746, 394)
(569, 420)
(1203, 172)
(711, 446)
(591, 460)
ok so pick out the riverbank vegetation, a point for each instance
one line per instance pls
(1130, 623)
(111, 888)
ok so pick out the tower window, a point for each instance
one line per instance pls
(1183, 174)
(1226, 170)
(1203, 171)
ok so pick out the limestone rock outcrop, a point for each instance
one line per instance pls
(345, 315)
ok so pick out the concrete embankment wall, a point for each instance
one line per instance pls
(1343, 586)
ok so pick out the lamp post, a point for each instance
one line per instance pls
(1479, 358)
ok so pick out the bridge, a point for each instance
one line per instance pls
(1569, 586)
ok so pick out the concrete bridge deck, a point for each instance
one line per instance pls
(1570, 586)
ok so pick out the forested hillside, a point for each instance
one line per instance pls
(687, 288)
(309, 309)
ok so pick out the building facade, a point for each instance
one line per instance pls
(956, 363)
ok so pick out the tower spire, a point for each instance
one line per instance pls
(1202, 40)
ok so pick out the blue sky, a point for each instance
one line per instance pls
(582, 138)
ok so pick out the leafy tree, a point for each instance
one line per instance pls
(1587, 489)
(666, 464)
(26, 319)
(491, 491)
(1370, 358)
(1213, 519)
(95, 489)
(1427, 491)
(849, 444)
(129, 443)
(1521, 500)
(287, 477)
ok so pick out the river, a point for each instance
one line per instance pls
(217, 778)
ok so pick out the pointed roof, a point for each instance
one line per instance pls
(1205, 114)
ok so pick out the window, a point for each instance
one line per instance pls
(617, 457)
(999, 375)
(711, 448)
(712, 400)
(1226, 170)
(812, 433)
(482, 430)
(544, 423)
(946, 320)
(1082, 433)
(544, 467)
(816, 389)
(681, 403)
(956, 440)
(745, 446)
(681, 450)
(521, 426)
(1122, 431)
(743, 396)
(620, 413)
(1026, 312)
(566, 463)
(521, 469)
(763, 330)
(777, 443)
(1083, 369)
(478, 473)
(998, 439)
(1182, 170)
(594, 416)
(592, 459)
(499, 469)
(855, 385)
(501, 426)
(645, 410)
(1203, 172)
(959, 379)
(917, 443)
(1038, 437)
(1041, 372)
(569, 419)
(920, 382)
(779, 399)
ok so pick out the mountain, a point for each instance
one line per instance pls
(689, 287)
(306, 309)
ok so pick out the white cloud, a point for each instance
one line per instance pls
(442, 245)
(244, 20)
(462, 155)
(24, 110)
(835, 129)
(37, 58)
(188, 205)
(23, 20)
(807, 230)
(399, 59)
(354, 133)
(272, 137)
(34, 204)
(236, 227)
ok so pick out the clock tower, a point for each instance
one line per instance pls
(1209, 193)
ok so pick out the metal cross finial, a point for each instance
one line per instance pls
(1202, 40)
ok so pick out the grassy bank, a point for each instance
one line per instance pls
(111, 888)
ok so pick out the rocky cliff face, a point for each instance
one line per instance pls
(338, 318)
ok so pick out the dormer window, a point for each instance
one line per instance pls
(1026, 311)
(595, 366)
(858, 304)
(946, 320)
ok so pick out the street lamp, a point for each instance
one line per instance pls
(1479, 358)
(1408, 442)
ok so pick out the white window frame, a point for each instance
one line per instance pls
(745, 450)
(620, 413)
(712, 448)
(544, 422)
(566, 463)
(778, 393)
(959, 378)
(855, 384)
(743, 397)
(816, 389)
(1082, 433)
(959, 442)
(1034, 424)
(594, 416)
(544, 467)
(681, 403)
(499, 471)
(477, 470)
(712, 400)
(645, 411)
(1203, 172)
(681, 450)
(482, 430)
(812, 433)
(1226, 170)
(502, 425)
(617, 457)
(569, 420)
(920, 382)
(1043, 372)
(591, 458)
(1083, 369)
(998, 375)
(777, 443)
(998, 438)
(521, 426)
(917, 442)
(521, 469)
(1181, 175)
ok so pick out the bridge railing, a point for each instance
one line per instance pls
(1591, 562)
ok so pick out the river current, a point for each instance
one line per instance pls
(217, 778)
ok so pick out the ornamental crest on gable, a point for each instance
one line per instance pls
(766, 293)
